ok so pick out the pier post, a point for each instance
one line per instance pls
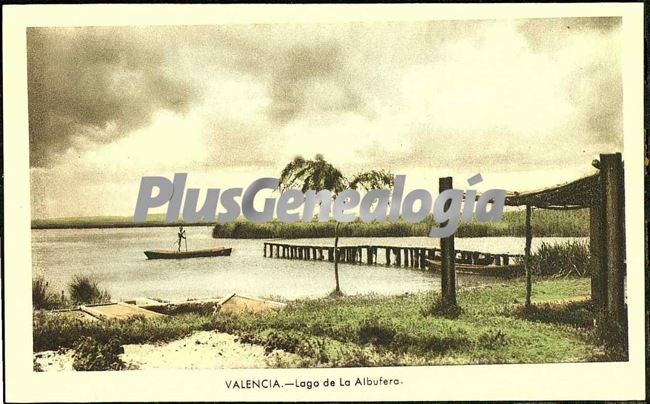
(431, 254)
(448, 275)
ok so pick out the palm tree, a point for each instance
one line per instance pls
(317, 175)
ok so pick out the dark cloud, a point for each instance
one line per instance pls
(598, 91)
(94, 85)
(547, 34)
(300, 70)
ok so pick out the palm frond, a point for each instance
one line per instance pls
(373, 179)
(316, 174)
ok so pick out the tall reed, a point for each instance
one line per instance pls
(545, 224)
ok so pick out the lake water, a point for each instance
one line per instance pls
(114, 257)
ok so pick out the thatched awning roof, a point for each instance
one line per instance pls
(573, 195)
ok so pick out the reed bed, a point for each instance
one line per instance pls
(545, 223)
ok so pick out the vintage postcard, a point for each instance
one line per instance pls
(377, 202)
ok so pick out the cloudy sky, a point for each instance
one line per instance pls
(527, 103)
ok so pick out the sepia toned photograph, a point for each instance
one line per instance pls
(534, 106)
(239, 205)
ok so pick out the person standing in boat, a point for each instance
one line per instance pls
(181, 236)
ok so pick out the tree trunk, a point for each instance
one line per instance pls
(336, 258)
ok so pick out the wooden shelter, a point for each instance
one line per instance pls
(604, 194)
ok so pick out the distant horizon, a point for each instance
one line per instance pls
(161, 211)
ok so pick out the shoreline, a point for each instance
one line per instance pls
(492, 326)
(545, 224)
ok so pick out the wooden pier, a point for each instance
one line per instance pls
(407, 257)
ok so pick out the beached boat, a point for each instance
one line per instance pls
(174, 254)
(490, 270)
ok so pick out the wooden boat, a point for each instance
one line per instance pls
(474, 269)
(174, 254)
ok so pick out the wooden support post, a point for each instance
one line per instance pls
(431, 254)
(422, 256)
(597, 265)
(529, 240)
(387, 256)
(448, 275)
(613, 193)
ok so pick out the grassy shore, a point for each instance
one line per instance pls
(493, 327)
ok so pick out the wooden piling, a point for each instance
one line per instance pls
(448, 273)
(529, 240)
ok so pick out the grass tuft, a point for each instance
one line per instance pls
(42, 296)
(443, 309)
(91, 355)
(567, 259)
(84, 290)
